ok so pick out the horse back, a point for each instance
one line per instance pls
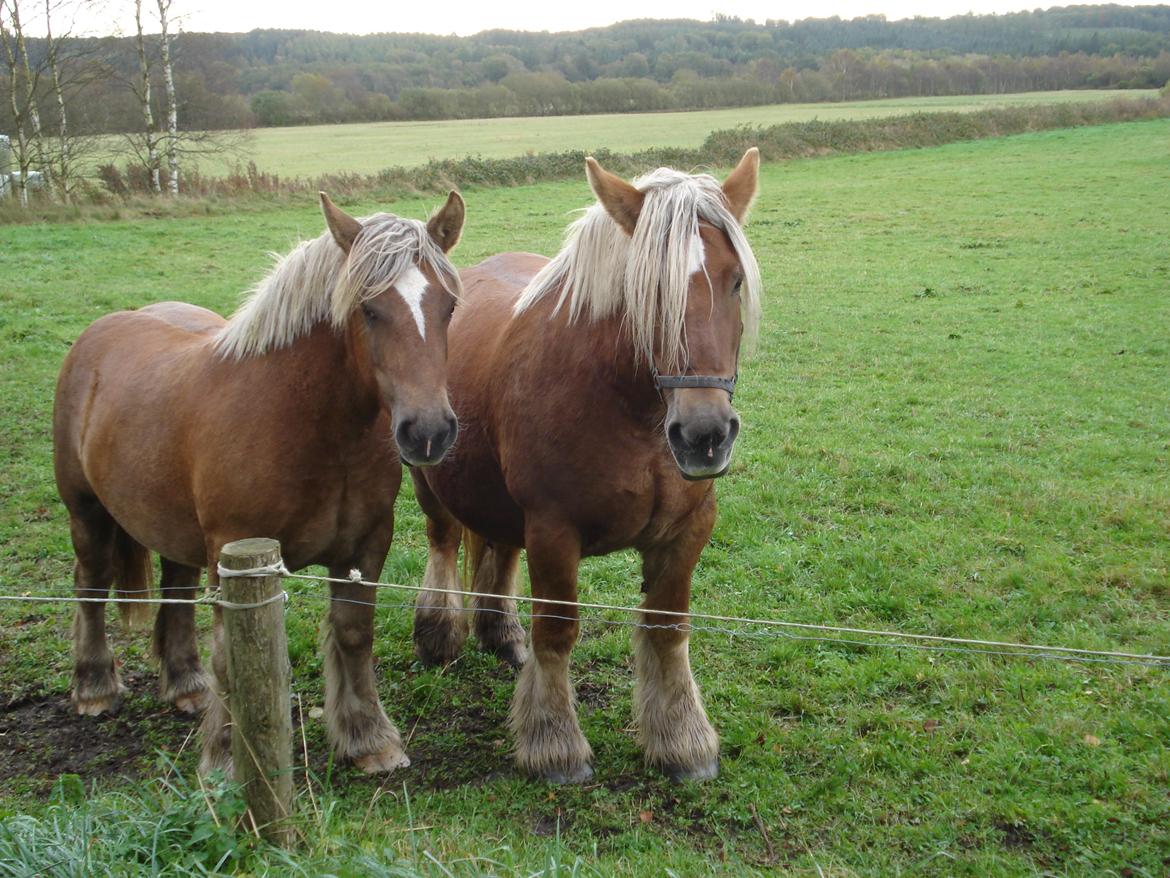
(503, 275)
(181, 315)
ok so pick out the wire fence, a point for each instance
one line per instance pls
(709, 623)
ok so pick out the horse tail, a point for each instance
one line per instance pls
(474, 550)
(133, 578)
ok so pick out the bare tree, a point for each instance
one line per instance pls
(43, 78)
(150, 139)
(164, 8)
(65, 59)
(63, 165)
(182, 148)
(23, 81)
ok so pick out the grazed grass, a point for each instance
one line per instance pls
(366, 148)
(956, 423)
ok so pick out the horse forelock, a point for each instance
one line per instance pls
(386, 250)
(316, 282)
(644, 278)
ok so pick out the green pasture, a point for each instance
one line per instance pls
(369, 147)
(955, 422)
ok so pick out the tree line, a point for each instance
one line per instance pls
(161, 87)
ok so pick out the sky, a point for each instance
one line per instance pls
(463, 17)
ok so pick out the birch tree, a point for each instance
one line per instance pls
(23, 80)
(143, 92)
(40, 79)
(62, 66)
(164, 8)
(159, 136)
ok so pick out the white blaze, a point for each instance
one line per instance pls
(412, 286)
(697, 255)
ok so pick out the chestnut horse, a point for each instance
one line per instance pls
(177, 431)
(594, 396)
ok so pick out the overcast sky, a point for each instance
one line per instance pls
(462, 17)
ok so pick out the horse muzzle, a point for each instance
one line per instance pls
(702, 447)
(425, 440)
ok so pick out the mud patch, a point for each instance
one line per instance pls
(42, 738)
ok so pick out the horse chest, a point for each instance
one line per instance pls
(344, 502)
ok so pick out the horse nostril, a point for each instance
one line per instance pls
(675, 434)
(405, 432)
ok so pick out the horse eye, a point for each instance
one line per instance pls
(369, 313)
(738, 284)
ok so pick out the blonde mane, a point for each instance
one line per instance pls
(316, 282)
(602, 272)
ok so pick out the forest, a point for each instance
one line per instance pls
(284, 77)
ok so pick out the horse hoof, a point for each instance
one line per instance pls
(97, 705)
(438, 644)
(192, 702)
(577, 775)
(383, 762)
(680, 773)
(514, 653)
(189, 692)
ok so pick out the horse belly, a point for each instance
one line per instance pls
(130, 460)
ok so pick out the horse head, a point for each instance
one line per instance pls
(403, 290)
(695, 350)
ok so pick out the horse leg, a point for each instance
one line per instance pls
(216, 729)
(181, 678)
(549, 742)
(96, 686)
(497, 625)
(439, 625)
(673, 729)
(358, 726)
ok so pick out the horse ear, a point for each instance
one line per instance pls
(344, 227)
(740, 186)
(446, 224)
(621, 201)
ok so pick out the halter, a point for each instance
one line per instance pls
(686, 382)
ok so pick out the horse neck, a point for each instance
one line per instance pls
(332, 371)
(609, 357)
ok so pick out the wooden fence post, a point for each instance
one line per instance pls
(259, 681)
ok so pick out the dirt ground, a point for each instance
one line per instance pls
(42, 738)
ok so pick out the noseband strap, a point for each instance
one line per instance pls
(686, 382)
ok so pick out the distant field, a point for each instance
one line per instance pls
(369, 147)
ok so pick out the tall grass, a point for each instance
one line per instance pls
(175, 827)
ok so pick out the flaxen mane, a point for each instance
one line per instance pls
(601, 271)
(316, 282)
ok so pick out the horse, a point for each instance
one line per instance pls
(594, 397)
(175, 431)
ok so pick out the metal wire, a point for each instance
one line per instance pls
(988, 645)
(686, 627)
(764, 628)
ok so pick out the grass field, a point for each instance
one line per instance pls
(956, 422)
(366, 148)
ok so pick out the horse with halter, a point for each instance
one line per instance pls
(177, 431)
(594, 396)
